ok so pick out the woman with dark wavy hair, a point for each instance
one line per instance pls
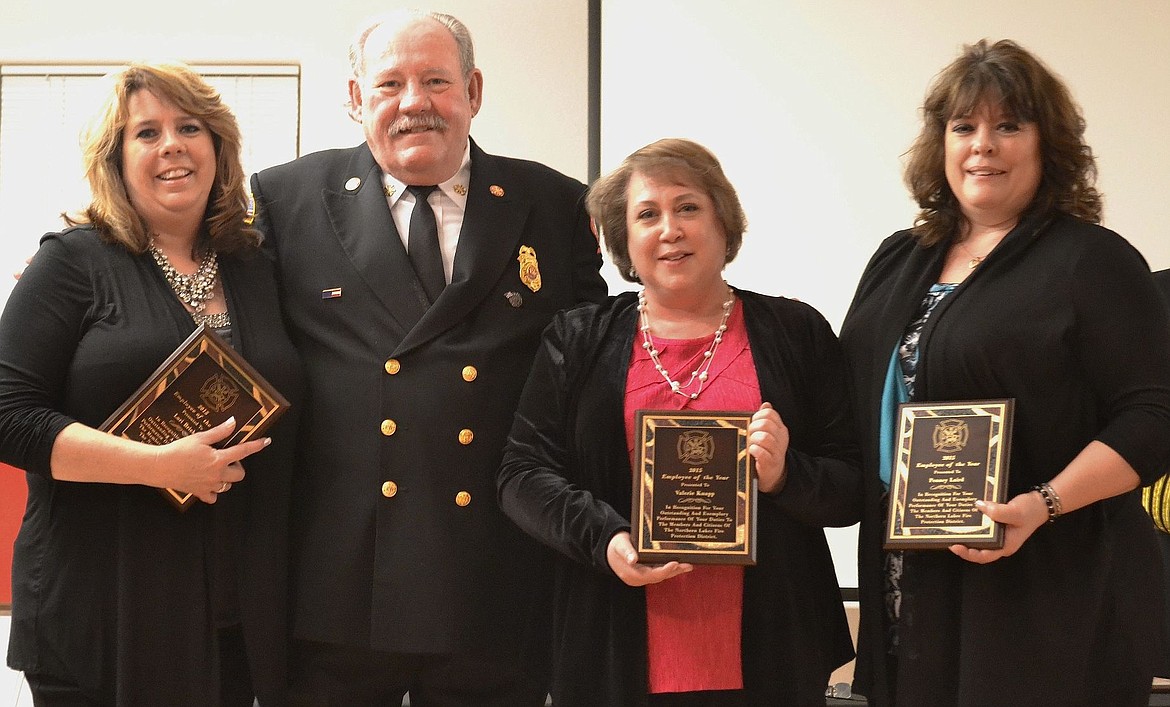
(1007, 287)
(118, 599)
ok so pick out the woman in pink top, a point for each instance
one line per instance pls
(627, 633)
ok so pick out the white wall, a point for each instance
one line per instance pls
(533, 55)
(526, 48)
(13, 688)
(521, 45)
(809, 104)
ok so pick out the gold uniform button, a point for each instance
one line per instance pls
(389, 489)
(389, 427)
(469, 373)
(465, 436)
(462, 498)
(393, 366)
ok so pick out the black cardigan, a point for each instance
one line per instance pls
(566, 480)
(110, 583)
(1064, 317)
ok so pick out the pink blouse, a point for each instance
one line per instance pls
(694, 621)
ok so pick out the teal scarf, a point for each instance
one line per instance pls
(893, 392)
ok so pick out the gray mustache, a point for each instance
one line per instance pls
(409, 123)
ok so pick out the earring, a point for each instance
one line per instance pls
(633, 273)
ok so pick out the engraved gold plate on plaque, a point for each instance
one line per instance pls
(200, 385)
(695, 488)
(948, 455)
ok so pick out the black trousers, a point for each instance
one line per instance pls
(1163, 669)
(706, 698)
(235, 680)
(330, 675)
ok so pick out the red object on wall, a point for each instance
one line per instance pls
(13, 491)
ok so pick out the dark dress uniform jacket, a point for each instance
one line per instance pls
(566, 479)
(400, 545)
(1064, 318)
(112, 587)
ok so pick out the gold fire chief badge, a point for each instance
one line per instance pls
(529, 268)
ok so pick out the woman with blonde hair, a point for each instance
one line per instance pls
(118, 599)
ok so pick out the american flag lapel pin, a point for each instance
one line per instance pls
(331, 293)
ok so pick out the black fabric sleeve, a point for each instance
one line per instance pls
(823, 465)
(39, 331)
(1123, 341)
(534, 486)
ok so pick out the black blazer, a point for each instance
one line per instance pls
(399, 543)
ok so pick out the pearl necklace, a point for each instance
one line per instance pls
(194, 290)
(699, 373)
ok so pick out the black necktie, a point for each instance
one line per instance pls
(423, 244)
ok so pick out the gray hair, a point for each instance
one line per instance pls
(459, 31)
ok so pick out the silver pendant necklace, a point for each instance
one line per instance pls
(700, 372)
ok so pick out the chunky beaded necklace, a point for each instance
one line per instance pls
(194, 290)
(700, 373)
